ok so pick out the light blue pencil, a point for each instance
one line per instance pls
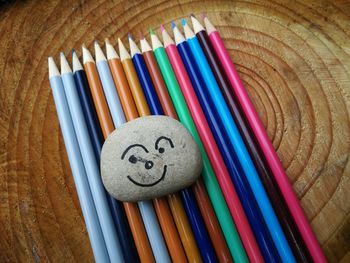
(148, 214)
(265, 206)
(91, 166)
(76, 163)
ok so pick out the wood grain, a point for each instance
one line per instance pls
(293, 56)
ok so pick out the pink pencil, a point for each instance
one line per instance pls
(212, 150)
(266, 145)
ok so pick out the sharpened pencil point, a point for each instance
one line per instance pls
(87, 55)
(75, 61)
(99, 56)
(161, 28)
(129, 36)
(65, 68)
(183, 22)
(111, 52)
(53, 70)
(141, 36)
(192, 15)
(151, 31)
(145, 45)
(123, 53)
(203, 15)
(173, 25)
(134, 49)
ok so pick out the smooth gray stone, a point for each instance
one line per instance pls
(149, 157)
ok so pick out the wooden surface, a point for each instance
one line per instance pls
(294, 58)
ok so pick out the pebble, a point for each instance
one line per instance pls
(149, 157)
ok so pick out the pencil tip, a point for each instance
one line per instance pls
(161, 28)
(151, 31)
(130, 36)
(141, 36)
(183, 22)
(203, 15)
(192, 15)
(173, 25)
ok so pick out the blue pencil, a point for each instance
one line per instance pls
(237, 175)
(146, 207)
(76, 163)
(91, 166)
(238, 144)
(191, 208)
(117, 211)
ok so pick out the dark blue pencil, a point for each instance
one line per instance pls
(117, 211)
(237, 175)
(191, 208)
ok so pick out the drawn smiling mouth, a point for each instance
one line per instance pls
(151, 184)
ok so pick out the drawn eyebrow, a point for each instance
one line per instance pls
(164, 138)
(132, 146)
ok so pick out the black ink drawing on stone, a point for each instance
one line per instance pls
(149, 157)
(148, 164)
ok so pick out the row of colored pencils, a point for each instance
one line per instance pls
(243, 207)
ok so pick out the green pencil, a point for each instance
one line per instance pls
(215, 195)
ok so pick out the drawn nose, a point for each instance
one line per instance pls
(148, 165)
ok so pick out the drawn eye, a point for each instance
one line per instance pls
(165, 142)
(161, 150)
(132, 159)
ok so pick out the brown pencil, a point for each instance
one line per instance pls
(131, 209)
(201, 195)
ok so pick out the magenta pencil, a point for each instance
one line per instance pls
(266, 145)
(212, 150)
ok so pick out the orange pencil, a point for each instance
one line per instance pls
(132, 212)
(135, 105)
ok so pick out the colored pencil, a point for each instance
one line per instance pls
(205, 246)
(87, 105)
(150, 220)
(188, 199)
(87, 205)
(237, 175)
(209, 143)
(162, 208)
(132, 212)
(290, 229)
(185, 117)
(90, 163)
(199, 190)
(235, 139)
(265, 144)
(201, 195)
(117, 211)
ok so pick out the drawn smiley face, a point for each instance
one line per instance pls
(149, 157)
(138, 154)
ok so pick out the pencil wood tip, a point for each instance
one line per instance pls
(161, 28)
